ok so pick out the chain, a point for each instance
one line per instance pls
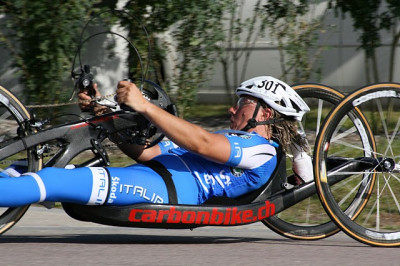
(48, 155)
(72, 102)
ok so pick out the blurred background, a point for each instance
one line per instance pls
(200, 50)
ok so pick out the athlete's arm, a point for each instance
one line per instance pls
(215, 147)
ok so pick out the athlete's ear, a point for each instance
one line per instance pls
(266, 113)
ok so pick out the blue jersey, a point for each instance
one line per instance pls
(196, 179)
(250, 165)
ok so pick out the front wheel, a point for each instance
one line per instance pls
(13, 119)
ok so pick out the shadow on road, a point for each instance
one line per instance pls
(129, 239)
(119, 239)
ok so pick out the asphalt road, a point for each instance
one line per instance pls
(50, 237)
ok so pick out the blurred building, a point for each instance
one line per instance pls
(343, 64)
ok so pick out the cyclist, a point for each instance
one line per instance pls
(201, 164)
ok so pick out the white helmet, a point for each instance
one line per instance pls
(276, 94)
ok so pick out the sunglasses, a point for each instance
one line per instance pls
(244, 101)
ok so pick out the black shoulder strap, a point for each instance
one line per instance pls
(160, 169)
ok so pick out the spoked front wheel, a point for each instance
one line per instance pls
(307, 219)
(351, 167)
(13, 119)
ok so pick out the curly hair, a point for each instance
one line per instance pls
(286, 132)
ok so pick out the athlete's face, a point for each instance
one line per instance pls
(242, 112)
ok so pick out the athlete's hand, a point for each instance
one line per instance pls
(129, 94)
(86, 104)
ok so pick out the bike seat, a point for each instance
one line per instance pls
(271, 187)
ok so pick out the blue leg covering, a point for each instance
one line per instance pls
(95, 186)
(81, 185)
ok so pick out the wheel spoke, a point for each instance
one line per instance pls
(392, 193)
(319, 116)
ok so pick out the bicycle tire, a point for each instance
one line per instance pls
(13, 115)
(376, 224)
(315, 224)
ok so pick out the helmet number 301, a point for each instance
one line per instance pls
(269, 85)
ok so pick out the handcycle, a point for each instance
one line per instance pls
(373, 180)
(26, 139)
